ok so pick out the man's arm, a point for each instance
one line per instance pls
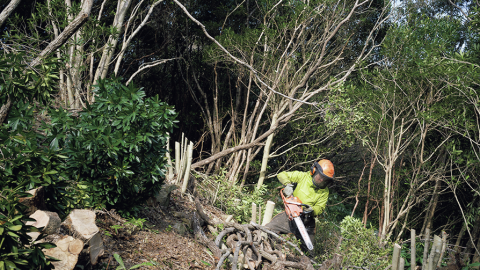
(288, 177)
(319, 207)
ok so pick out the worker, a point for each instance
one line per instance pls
(312, 189)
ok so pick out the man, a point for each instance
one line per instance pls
(312, 189)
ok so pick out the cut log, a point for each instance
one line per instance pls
(36, 202)
(96, 248)
(50, 221)
(67, 251)
(81, 224)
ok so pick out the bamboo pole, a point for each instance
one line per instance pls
(183, 161)
(177, 158)
(401, 264)
(169, 162)
(425, 249)
(413, 250)
(444, 247)
(435, 253)
(187, 168)
(259, 214)
(396, 256)
(254, 212)
(267, 217)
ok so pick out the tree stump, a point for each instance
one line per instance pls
(36, 202)
(67, 251)
(50, 221)
(96, 248)
(81, 224)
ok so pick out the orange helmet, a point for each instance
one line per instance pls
(323, 167)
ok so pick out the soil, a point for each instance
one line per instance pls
(165, 241)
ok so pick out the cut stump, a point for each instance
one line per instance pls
(81, 224)
(67, 251)
(50, 221)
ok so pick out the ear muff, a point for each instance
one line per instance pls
(317, 169)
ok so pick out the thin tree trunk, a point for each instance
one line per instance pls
(365, 213)
(8, 10)
(427, 223)
(266, 153)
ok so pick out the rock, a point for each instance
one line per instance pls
(96, 248)
(163, 196)
(50, 221)
(81, 224)
(180, 228)
(36, 202)
(67, 251)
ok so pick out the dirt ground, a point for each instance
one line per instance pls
(166, 240)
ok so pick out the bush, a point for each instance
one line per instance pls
(16, 251)
(115, 148)
(26, 163)
(360, 246)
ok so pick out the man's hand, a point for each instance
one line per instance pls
(307, 209)
(288, 190)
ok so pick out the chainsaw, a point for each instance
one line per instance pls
(293, 209)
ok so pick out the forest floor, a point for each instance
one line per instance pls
(165, 242)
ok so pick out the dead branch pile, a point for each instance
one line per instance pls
(249, 245)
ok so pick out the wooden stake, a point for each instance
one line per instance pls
(259, 214)
(187, 169)
(254, 212)
(267, 217)
(444, 246)
(396, 256)
(413, 254)
(401, 264)
(169, 162)
(425, 250)
(435, 253)
(177, 158)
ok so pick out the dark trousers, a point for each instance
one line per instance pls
(281, 224)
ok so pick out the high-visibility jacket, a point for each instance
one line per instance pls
(305, 190)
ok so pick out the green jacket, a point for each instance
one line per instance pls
(305, 190)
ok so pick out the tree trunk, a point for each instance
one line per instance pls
(8, 10)
(427, 223)
(266, 153)
(122, 7)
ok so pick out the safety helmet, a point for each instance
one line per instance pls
(323, 167)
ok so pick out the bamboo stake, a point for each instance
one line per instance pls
(169, 162)
(435, 252)
(254, 212)
(187, 169)
(413, 254)
(177, 158)
(259, 214)
(444, 246)
(267, 217)
(401, 264)
(396, 256)
(425, 250)
(183, 161)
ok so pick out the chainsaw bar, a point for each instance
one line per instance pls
(303, 232)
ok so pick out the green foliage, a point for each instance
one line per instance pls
(116, 146)
(23, 83)
(233, 200)
(16, 249)
(122, 265)
(361, 247)
(28, 164)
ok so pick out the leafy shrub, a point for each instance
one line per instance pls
(230, 198)
(360, 246)
(26, 163)
(116, 146)
(16, 251)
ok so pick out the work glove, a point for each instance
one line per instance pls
(288, 190)
(307, 209)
